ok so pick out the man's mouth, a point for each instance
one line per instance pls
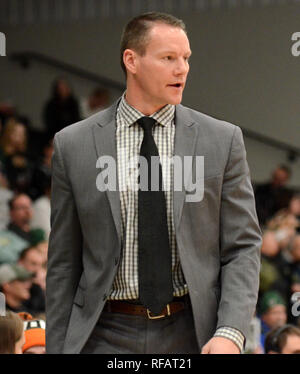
(177, 85)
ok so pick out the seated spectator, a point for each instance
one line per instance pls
(269, 274)
(35, 337)
(20, 219)
(13, 155)
(12, 336)
(20, 216)
(15, 284)
(272, 313)
(275, 272)
(5, 193)
(284, 340)
(270, 246)
(282, 272)
(32, 260)
(272, 196)
(284, 224)
(97, 100)
(62, 108)
(290, 257)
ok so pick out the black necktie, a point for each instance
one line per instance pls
(154, 260)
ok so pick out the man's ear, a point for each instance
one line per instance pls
(130, 60)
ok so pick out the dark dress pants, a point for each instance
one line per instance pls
(117, 333)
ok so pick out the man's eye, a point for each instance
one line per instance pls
(168, 58)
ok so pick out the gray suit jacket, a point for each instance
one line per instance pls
(218, 237)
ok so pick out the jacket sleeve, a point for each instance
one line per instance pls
(240, 242)
(64, 254)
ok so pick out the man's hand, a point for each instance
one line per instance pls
(219, 345)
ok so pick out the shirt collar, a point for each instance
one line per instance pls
(130, 115)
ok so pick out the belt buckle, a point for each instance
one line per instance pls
(160, 315)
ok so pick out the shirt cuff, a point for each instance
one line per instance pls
(233, 334)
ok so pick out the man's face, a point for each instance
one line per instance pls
(292, 345)
(276, 316)
(160, 74)
(280, 177)
(19, 290)
(33, 261)
(21, 212)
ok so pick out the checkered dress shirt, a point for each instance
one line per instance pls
(129, 136)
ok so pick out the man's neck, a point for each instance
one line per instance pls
(142, 104)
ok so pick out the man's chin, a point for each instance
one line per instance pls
(175, 100)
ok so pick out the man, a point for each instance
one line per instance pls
(21, 213)
(20, 216)
(273, 313)
(284, 340)
(32, 260)
(139, 271)
(15, 283)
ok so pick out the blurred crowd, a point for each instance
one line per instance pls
(278, 210)
(25, 188)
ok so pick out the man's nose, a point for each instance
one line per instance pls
(182, 67)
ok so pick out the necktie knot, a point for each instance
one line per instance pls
(146, 123)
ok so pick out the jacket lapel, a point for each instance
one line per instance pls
(185, 140)
(105, 143)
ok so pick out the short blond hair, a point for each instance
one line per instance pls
(136, 33)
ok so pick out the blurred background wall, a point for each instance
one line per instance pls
(242, 68)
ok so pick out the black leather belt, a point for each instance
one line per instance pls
(133, 308)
